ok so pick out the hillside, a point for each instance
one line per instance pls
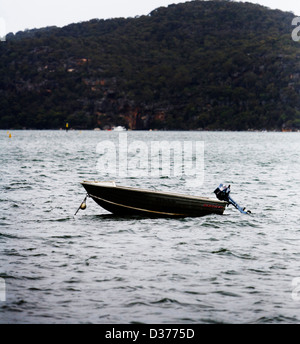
(201, 64)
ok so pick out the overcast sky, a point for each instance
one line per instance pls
(19, 15)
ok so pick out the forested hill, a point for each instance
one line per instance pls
(200, 64)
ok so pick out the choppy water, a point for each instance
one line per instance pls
(98, 268)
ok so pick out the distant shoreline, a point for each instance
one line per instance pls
(159, 130)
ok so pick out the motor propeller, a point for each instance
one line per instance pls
(222, 192)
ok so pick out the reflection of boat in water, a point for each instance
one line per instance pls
(133, 201)
(119, 128)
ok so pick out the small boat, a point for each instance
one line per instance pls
(123, 200)
(119, 128)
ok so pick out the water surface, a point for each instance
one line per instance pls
(99, 268)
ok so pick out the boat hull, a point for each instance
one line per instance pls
(132, 201)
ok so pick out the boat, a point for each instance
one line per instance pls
(121, 200)
(119, 128)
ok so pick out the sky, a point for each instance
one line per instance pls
(18, 15)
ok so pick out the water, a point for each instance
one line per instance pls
(99, 268)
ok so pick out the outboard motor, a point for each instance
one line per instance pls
(222, 192)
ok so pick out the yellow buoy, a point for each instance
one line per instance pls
(9, 135)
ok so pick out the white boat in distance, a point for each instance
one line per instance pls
(119, 128)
